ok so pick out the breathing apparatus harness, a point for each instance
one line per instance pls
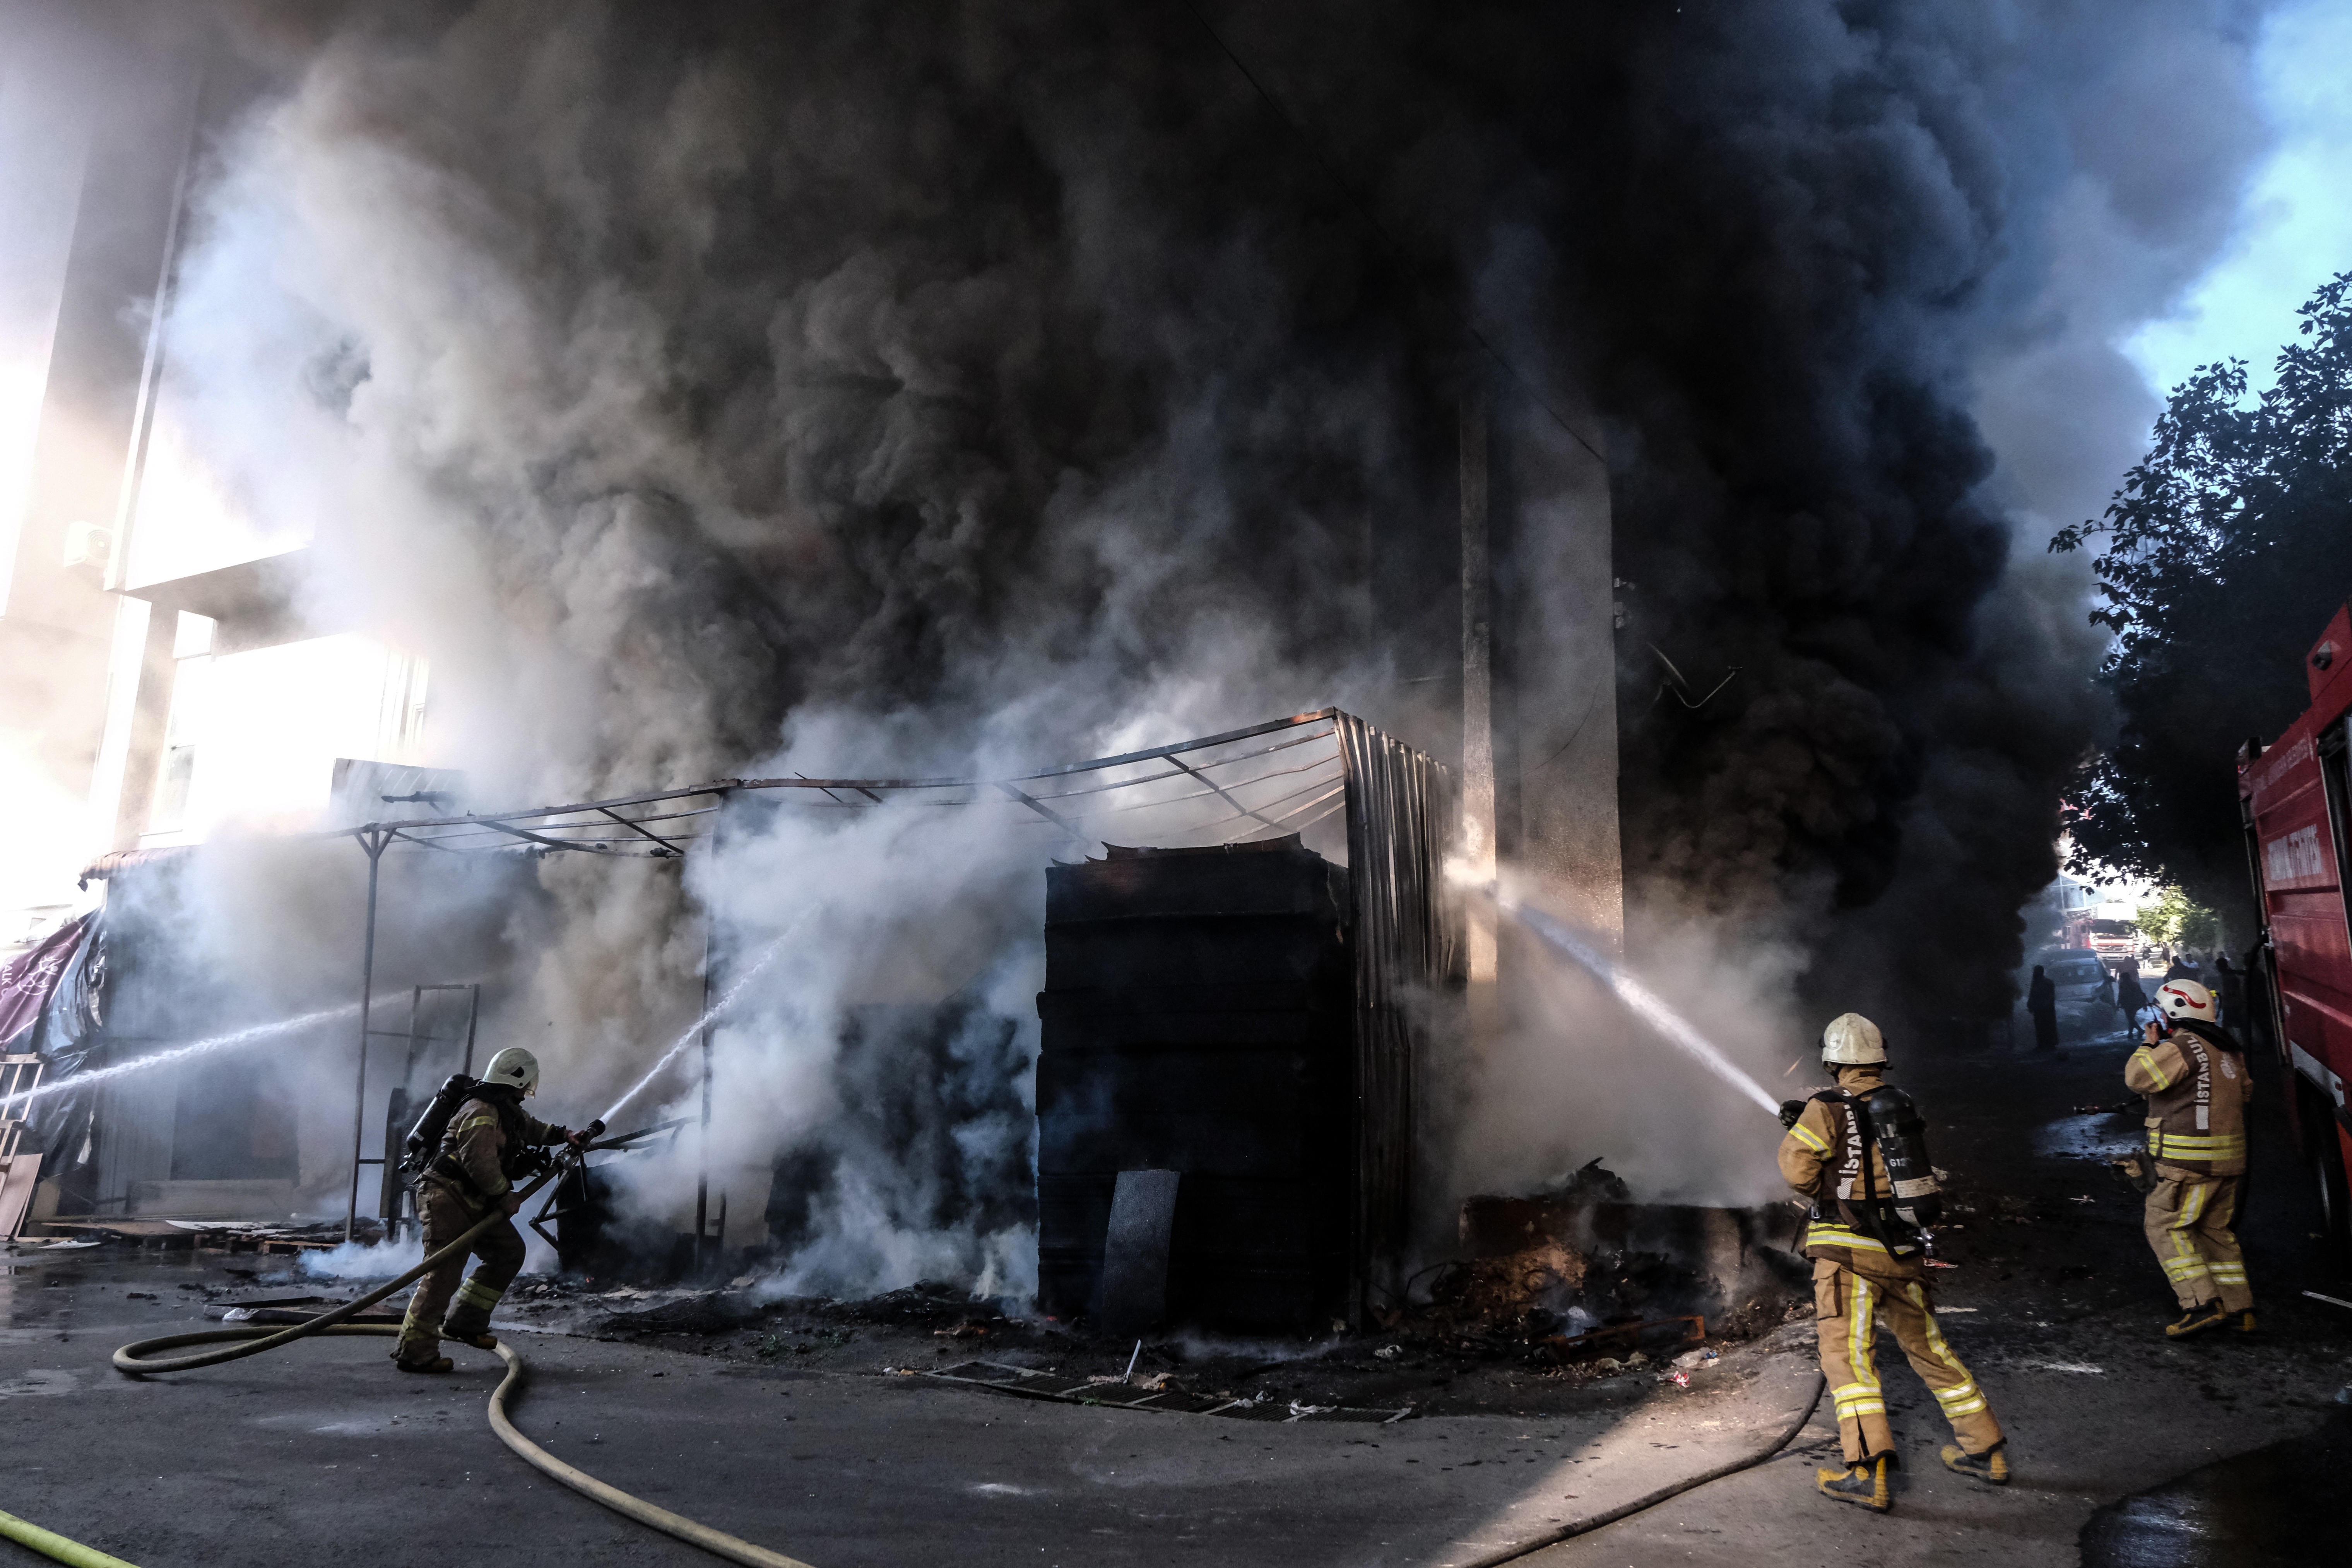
(1899, 1221)
(421, 1154)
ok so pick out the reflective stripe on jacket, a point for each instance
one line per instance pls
(2196, 1094)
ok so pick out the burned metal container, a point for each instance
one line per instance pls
(1198, 1017)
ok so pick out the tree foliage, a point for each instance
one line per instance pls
(2223, 557)
(2177, 920)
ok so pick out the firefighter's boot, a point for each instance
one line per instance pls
(2246, 1321)
(1991, 1466)
(1863, 1485)
(2197, 1321)
(468, 1320)
(429, 1364)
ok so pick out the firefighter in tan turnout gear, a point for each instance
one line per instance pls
(471, 1174)
(2194, 1075)
(1857, 1152)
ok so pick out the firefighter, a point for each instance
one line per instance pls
(2194, 1075)
(1866, 1244)
(472, 1174)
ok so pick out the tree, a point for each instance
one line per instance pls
(2177, 920)
(2225, 553)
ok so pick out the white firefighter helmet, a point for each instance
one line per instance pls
(515, 1068)
(1853, 1040)
(2185, 999)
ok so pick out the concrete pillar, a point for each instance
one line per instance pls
(144, 726)
(119, 81)
(1539, 672)
(1562, 655)
(1479, 823)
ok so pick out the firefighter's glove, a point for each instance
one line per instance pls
(2135, 1170)
(1789, 1111)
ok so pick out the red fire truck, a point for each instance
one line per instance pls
(2297, 810)
(2113, 940)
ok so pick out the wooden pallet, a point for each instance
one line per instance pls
(167, 1234)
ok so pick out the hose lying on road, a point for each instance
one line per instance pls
(614, 1498)
(49, 1544)
(1651, 1499)
(144, 1358)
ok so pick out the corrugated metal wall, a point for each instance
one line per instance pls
(1402, 811)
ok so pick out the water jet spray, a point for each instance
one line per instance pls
(1638, 999)
(181, 1053)
(694, 1030)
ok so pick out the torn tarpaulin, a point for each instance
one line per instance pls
(67, 1029)
(28, 980)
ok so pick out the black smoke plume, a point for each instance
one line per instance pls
(932, 380)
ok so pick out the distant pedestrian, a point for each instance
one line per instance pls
(2257, 1025)
(2041, 1003)
(2130, 1000)
(2229, 989)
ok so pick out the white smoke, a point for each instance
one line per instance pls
(833, 398)
(364, 1259)
(1660, 1066)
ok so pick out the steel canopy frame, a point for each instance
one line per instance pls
(476, 832)
(624, 829)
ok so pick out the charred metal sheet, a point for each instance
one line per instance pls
(1148, 1393)
(1135, 1251)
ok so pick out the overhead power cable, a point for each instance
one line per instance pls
(1372, 220)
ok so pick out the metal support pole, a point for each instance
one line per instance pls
(702, 1156)
(473, 1016)
(373, 843)
(1479, 804)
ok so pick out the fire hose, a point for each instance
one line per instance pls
(145, 1358)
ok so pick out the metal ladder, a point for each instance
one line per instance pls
(19, 1169)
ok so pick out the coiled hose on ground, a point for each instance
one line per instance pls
(142, 1359)
(145, 1358)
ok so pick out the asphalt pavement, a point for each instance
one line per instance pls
(321, 1454)
(2058, 1308)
